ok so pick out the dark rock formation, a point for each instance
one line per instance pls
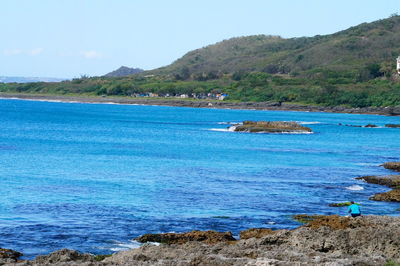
(393, 125)
(395, 166)
(209, 237)
(393, 195)
(370, 125)
(270, 127)
(8, 255)
(391, 181)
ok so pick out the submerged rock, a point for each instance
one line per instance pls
(270, 127)
(395, 166)
(209, 237)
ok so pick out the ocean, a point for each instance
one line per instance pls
(92, 177)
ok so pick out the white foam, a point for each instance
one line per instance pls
(220, 129)
(228, 123)
(125, 246)
(355, 187)
(309, 123)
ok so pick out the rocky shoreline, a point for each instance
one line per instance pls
(391, 181)
(325, 240)
(389, 111)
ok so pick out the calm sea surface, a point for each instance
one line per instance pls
(93, 176)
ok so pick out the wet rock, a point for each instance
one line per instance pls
(370, 125)
(209, 237)
(255, 232)
(270, 127)
(393, 125)
(9, 255)
(395, 166)
(392, 181)
(340, 204)
(393, 195)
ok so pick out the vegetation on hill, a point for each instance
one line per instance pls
(354, 67)
(351, 53)
(124, 71)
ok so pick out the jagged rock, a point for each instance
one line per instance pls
(331, 240)
(209, 237)
(270, 127)
(9, 255)
(255, 232)
(392, 181)
(63, 257)
(327, 240)
(370, 125)
(393, 195)
(395, 166)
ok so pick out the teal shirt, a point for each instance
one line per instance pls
(354, 209)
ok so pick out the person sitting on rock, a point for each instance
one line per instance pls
(354, 209)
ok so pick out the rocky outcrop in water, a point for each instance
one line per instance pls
(392, 181)
(393, 195)
(209, 237)
(269, 127)
(395, 166)
(393, 125)
(326, 240)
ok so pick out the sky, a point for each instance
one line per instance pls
(70, 38)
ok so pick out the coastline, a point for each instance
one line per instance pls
(325, 240)
(268, 106)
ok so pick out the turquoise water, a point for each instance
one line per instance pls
(93, 176)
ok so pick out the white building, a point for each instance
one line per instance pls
(398, 65)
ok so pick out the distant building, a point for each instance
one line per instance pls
(398, 65)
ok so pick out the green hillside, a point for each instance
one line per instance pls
(348, 52)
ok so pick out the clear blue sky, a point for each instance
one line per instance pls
(67, 38)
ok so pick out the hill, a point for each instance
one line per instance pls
(351, 68)
(123, 71)
(346, 52)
